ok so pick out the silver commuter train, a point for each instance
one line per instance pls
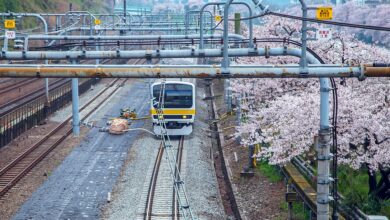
(179, 107)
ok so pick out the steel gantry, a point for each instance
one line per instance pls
(45, 26)
(196, 71)
(188, 31)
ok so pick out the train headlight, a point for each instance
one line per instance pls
(184, 116)
(160, 117)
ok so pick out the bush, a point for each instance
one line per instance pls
(270, 171)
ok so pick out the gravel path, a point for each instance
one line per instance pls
(78, 188)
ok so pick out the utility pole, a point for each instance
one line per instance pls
(124, 17)
(225, 61)
(75, 105)
(323, 150)
(124, 11)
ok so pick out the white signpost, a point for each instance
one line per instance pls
(10, 34)
(323, 34)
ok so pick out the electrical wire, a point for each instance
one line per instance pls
(137, 43)
(334, 110)
(336, 23)
(184, 41)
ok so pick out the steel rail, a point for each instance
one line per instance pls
(9, 179)
(16, 85)
(12, 105)
(148, 214)
(22, 101)
(153, 183)
(179, 155)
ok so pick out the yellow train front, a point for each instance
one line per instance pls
(178, 107)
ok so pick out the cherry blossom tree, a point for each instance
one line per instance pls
(351, 12)
(364, 14)
(287, 110)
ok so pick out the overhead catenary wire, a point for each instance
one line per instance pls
(178, 183)
(183, 41)
(336, 23)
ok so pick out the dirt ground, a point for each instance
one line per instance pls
(257, 197)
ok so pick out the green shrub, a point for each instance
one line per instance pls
(270, 171)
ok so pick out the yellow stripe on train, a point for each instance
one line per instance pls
(153, 111)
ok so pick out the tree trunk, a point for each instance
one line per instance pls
(383, 188)
(372, 181)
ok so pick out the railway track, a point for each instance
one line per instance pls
(11, 82)
(19, 167)
(23, 163)
(21, 101)
(179, 155)
(6, 107)
(162, 198)
(12, 92)
(8, 88)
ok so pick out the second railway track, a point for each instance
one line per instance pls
(23, 163)
(8, 88)
(161, 198)
(10, 102)
(19, 167)
(20, 101)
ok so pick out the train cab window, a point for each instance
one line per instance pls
(175, 95)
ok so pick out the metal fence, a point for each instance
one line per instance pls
(34, 112)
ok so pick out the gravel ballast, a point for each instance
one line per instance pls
(257, 197)
(78, 188)
(128, 200)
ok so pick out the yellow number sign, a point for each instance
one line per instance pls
(98, 22)
(218, 18)
(324, 13)
(9, 24)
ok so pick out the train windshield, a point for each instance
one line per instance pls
(175, 95)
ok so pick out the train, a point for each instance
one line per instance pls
(178, 109)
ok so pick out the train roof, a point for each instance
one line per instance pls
(173, 82)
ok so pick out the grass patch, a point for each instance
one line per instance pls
(269, 171)
(353, 184)
(298, 210)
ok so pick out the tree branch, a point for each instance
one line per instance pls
(380, 142)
